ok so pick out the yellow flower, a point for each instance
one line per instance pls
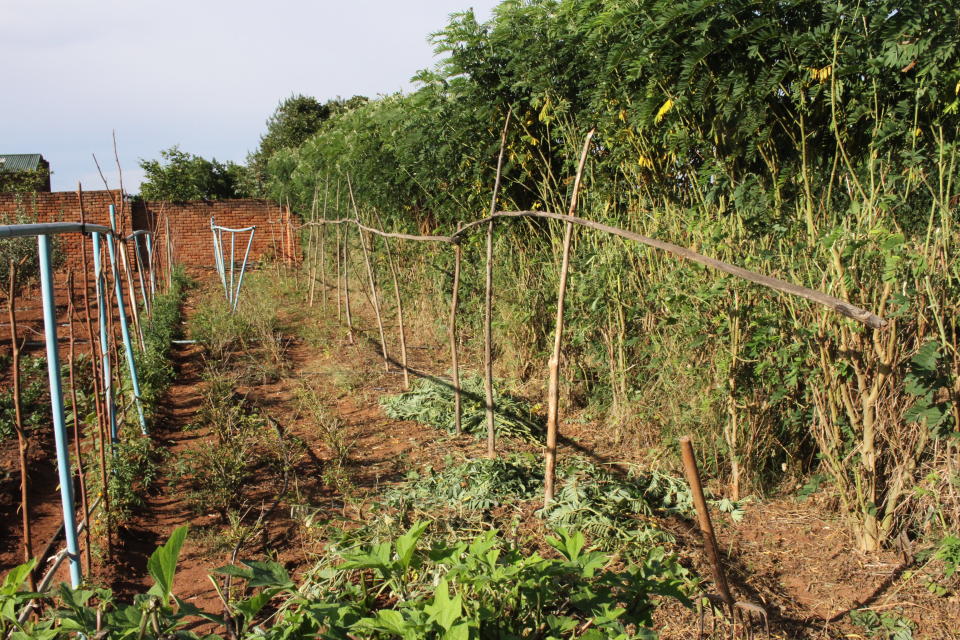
(664, 110)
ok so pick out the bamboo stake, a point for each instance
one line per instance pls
(553, 387)
(373, 286)
(23, 445)
(71, 355)
(706, 526)
(454, 361)
(488, 304)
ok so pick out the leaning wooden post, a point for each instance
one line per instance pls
(22, 443)
(320, 251)
(553, 387)
(346, 282)
(311, 242)
(454, 360)
(706, 526)
(488, 304)
(399, 302)
(339, 300)
(99, 396)
(373, 285)
(77, 451)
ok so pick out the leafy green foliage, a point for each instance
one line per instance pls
(160, 328)
(34, 397)
(179, 176)
(484, 588)
(431, 401)
(293, 122)
(812, 140)
(25, 181)
(480, 589)
(886, 625)
(476, 485)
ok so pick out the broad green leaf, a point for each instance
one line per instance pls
(162, 565)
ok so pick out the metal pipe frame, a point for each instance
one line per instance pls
(43, 231)
(124, 327)
(56, 406)
(232, 293)
(104, 344)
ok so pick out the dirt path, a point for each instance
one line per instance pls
(167, 508)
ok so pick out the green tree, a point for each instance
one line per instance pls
(295, 120)
(184, 176)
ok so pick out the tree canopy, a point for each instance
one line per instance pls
(179, 176)
(293, 122)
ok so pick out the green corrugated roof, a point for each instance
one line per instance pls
(12, 162)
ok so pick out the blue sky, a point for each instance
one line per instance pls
(204, 74)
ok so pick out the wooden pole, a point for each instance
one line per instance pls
(311, 241)
(553, 387)
(23, 445)
(77, 450)
(166, 224)
(374, 299)
(99, 399)
(339, 301)
(488, 304)
(399, 302)
(454, 360)
(346, 283)
(706, 526)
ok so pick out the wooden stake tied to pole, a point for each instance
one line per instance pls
(553, 387)
(706, 526)
(488, 303)
(23, 444)
(454, 360)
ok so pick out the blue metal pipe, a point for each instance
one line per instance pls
(243, 268)
(153, 279)
(124, 329)
(233, 263)
(56, 407)
(104, 343)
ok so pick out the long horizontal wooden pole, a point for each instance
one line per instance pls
(831, 302)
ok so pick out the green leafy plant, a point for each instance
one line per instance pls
(431, 402)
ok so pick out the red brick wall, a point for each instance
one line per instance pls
(190, 229)
(64, 206)
(189, 224)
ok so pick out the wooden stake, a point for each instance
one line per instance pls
(399, 302)
(311, 241)
(488, 305)
(23, 445)
(99, 398)
(346, 283)
(706, 526)
(339, 303)
(454, 360)
(553, 387)
(373, 285)
(71, 355)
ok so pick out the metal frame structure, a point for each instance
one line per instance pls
(232, 293)
(43, 232)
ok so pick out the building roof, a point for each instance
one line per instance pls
(13, 162)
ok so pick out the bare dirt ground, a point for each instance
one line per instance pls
(790, 556)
